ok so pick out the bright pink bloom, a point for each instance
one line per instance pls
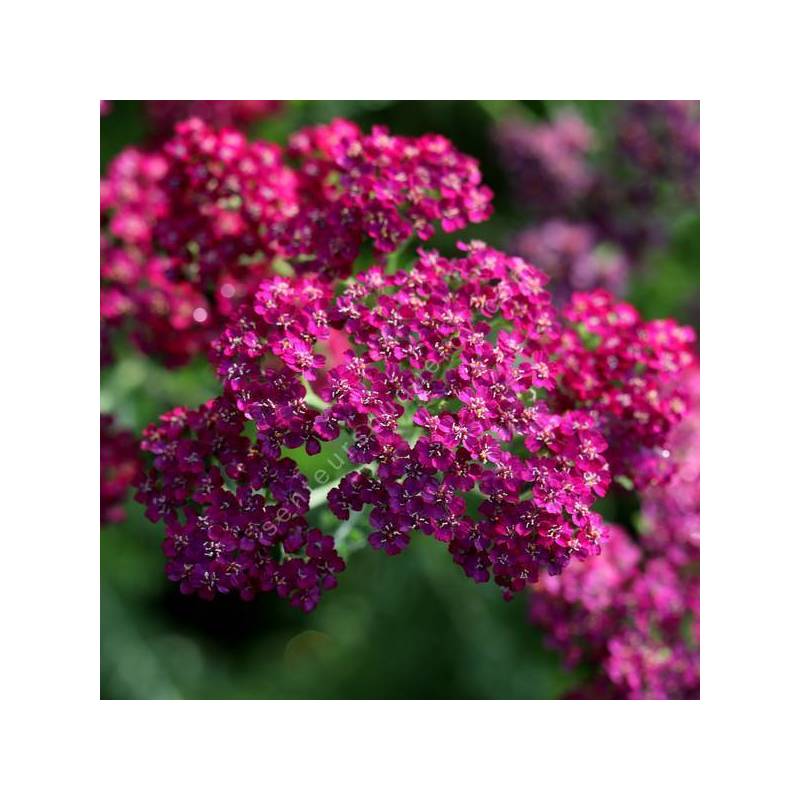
(633, 615)
(632, 374)
(534, 506)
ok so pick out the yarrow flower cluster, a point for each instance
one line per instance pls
(181, 234)
(439, 395)
(234, 512)
(189, 231)
(571, 256)
(626, 616)
(377, 187)
(472, 407)
(120, 468)
(633, 614)
(164, 115)
(631, 373)
(471, 414)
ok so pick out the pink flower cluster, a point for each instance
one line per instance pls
(378, 187)
(436, 404)
(189, 231)
(461, 403)
(119, 468)
(632, 374)
(181, 240)
(632, 615)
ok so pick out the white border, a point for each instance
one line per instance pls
(59, 59)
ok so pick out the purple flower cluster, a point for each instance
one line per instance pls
(652, 170)
(547, 162)
(119, 468)
(654, 144)
(444, 393)
(471, 408)
(662, 139)
(164, 115)
(234, 510)
(377, 187)
(570, 254)
(469, 411)
(633, 613)
(189, 231)
(630, 373)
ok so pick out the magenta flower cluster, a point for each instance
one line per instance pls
(378, 187)
(631, 373)
(120, 467)
(473, 405)
(234, 512)
(632, 616)
(437, 403)
(434, 406)
(462, 405)
(181, 237)
(187, 232)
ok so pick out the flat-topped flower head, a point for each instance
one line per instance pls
(189, 231)
(443, 393)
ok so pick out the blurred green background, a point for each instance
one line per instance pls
(411, 626)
